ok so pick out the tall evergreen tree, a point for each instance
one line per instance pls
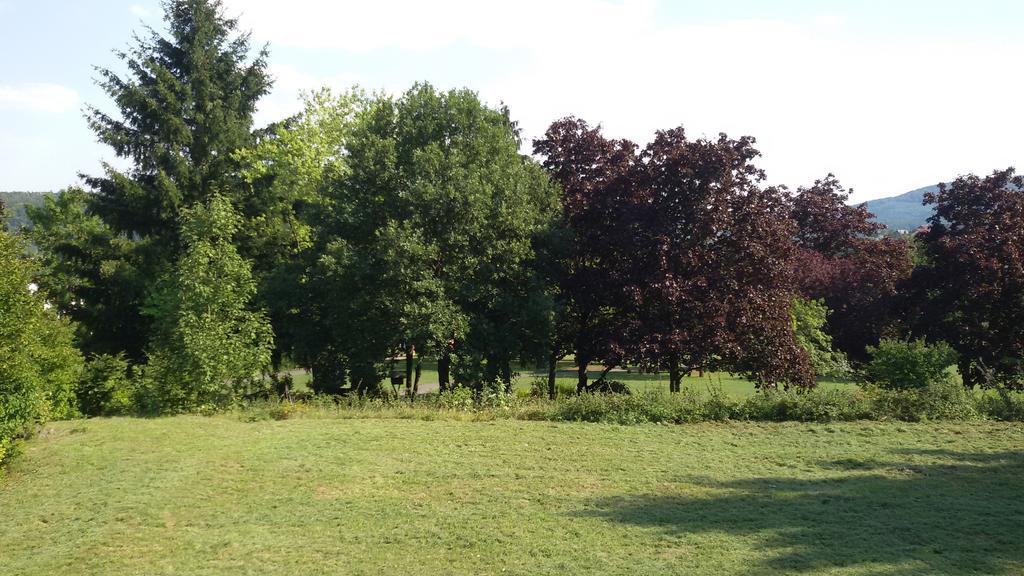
(185, 106)
(183, 110)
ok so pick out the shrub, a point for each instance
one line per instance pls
(38, 363)
(1007, 406)
(914, 364)
(106, 388)
(458, 398)
(817, 405)
(943, 399)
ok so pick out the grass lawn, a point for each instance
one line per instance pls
(195, 495)
(731, 385)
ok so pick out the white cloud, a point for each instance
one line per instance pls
(38, 98)
(886, 114)
(140, 11)
(414, 24)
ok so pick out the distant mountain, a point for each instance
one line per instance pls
(15, 203)
(903, 212)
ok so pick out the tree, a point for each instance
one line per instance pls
(428, 242)
(710, 281)
(809, 320)
(971, 286)
(182, 110)
(825, 222)
(679, 260)
(285, 174)
(39, 364)
(594, 174)
(90, 274)
(207, 342)
(841, 262)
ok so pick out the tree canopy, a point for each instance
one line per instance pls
(693, 255)
(842, 262)
(180, 113)
(971, 286)
(430, 234)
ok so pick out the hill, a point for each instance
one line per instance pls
(903, 212)
(15, 203)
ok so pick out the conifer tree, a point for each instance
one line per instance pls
(184, 107)
(180, 113)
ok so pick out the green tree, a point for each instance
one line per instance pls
(284, 174)
(181, 112)
(39, 364)
(429, 240)
(90, 274)
(208, 343)
(184, 108)
(809, 320)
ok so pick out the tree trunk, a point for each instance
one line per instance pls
(552, 371)
(444, 367)
(408, 370)
(581, 376)
(966, 373)
(490, 372)
(674, 374)
(506, 375)
(416, 382)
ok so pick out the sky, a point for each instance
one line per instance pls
(888, 95)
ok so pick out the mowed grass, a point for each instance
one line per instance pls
(197, 495)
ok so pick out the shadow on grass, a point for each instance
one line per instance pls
(962, 516)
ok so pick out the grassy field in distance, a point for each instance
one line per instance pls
(637, 381)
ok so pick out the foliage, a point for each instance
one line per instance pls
(208, 342)
(858, 277)
(582, 257)
(183, 108)
(425, 245)
(695, 254)
(826, 224)
(809, 319)
(106, 387)
(903, 365)
(1008, 407)
(284, 177)
(941, 399)
(89, 273)
(38, 362)
(970, 290)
